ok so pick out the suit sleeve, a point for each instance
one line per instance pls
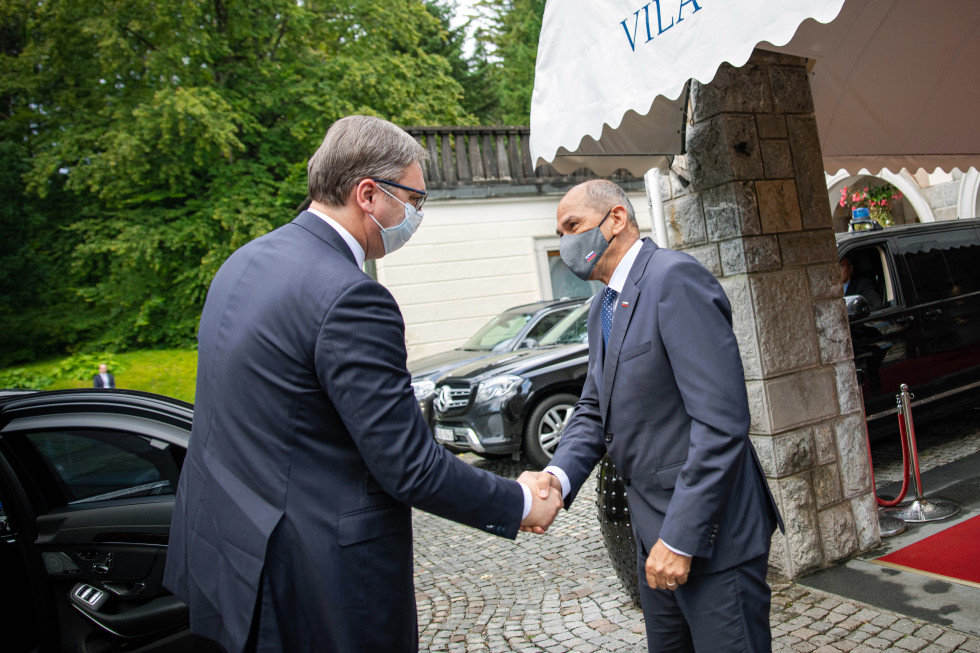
(695, 326)
(360, 361)
(581, 445)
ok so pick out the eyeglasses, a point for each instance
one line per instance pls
(418, 202)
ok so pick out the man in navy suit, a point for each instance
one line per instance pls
(104, 379)
(858, 285)
(292, 527)
(665, 396)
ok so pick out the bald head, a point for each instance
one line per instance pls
(601, 194)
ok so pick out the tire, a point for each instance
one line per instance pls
(544, 427)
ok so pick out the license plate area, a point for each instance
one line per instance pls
(444, 434)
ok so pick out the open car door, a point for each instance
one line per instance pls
(88, 494)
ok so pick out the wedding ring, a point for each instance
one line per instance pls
(671, 584)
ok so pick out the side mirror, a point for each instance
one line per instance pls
(857, 307)
(527, 343)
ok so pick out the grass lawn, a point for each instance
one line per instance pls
(170, 372)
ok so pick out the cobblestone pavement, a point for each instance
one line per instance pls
(558, 592)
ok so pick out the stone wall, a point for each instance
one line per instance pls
(750, 202)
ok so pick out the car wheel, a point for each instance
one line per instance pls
(545, 426)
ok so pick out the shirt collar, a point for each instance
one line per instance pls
(618, 279)
(355, 247)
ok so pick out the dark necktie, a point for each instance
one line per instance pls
(606, 316)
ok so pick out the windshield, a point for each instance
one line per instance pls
(500, 329)
(573, 328)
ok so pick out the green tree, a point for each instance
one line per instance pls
(510, 48)
(149, 139)
(480, 98)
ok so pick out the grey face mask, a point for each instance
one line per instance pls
(394, 237)
(581, 252)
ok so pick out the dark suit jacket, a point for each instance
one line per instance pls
(308, 442)
(668, 402)
(865, 287)
(97, 381)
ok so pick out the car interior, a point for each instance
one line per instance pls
(869, 263)
(88, 524)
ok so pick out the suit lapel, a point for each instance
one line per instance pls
(625, 305)
(596, 351)
(324, 232)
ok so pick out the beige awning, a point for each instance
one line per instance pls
(895, 83)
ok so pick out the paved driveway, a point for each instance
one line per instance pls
(558, 592)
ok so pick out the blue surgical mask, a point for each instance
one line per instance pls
(394, 237)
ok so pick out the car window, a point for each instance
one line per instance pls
(94, 465)
(943, 265)
(870, 276)
(503, 327)
(545, 323)
(572, 329)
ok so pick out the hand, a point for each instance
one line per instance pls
(546, 502)
(540, 482)
(665, 569)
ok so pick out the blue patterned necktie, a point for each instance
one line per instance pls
(606, 316)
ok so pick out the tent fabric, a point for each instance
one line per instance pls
(894, 82)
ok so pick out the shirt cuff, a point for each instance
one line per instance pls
(562, 477)
(677, 551)
(527, 500)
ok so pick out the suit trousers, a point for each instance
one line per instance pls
(723, 611)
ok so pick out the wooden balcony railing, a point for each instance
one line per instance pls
(489, 156)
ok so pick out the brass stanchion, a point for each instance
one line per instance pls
(919, 509)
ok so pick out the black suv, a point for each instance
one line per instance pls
(516, 328)
(914, 311)
(516, 402)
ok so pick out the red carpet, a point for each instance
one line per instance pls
(951, 555)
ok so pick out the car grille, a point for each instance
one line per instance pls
(452, 399)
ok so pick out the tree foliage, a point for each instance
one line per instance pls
(507, 47)
(145, 140)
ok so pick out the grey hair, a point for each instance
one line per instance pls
(602, 194)
(357, 148)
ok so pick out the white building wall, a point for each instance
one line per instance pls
(472, 259)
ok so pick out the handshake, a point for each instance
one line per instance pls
(546, 501)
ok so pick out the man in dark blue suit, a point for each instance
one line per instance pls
(104, 379)
(292, 527)
(665, 396)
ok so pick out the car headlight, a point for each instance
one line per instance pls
(423, 388)
(498, 387)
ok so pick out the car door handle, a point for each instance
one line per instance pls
(933, 313)
(905, 320)
(125, 590)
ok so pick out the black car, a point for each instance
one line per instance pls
(87, 483)
(520, 327)
(917, 318)
(516, 402)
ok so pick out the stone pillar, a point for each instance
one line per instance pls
(752, 206)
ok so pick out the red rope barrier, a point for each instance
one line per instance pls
(905, 468)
